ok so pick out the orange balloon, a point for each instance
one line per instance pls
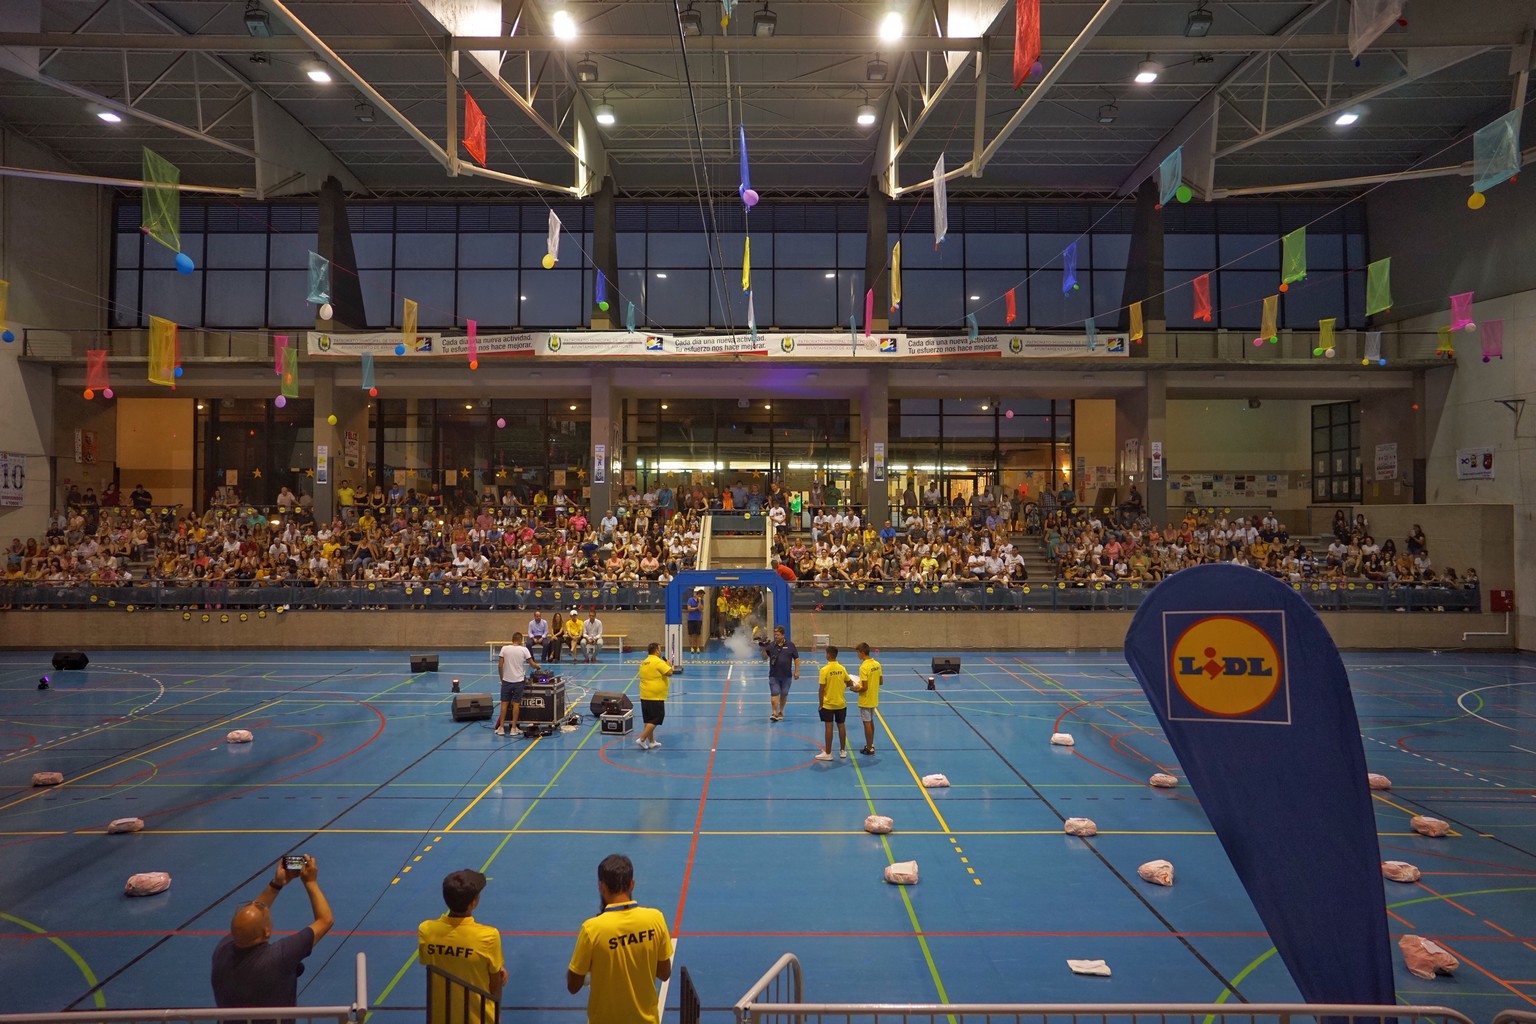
(89, 394)
(1284, 287)
(474, 364)
(1476, 200)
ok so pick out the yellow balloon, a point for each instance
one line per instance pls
(331, 419)
(549, 262)
(1476, 200)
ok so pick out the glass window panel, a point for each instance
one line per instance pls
(373, 250)
(994, 250)
(1049, 308)
(158, 257)
(1251, 252)
(1316, 298)
(433, 292)
(1045, 250)
(1355, 288)
(850, 297)
(1111, 251)
(814, 302)
(631, 288)
(807, 249)
(489, 297)
(553, 298)
(125, 299)
(1319, 415)
(291, 251)
(378, 299)
(1354, 250)
(917, 251)
(491, 249)
(986, 294)
(174, 296)
(427, 249)
(684, 249)
(630, 246)
(1108, 293)
(850, 249)
(230, 251)
(681, 299)
(1190, 252)
(1339, 437)
(731, 243)
(1022, 424)
(236, 298)
(932, 297)
(1324, 252)
(1242, 298)
(127, 250)
(288, 302)
(762, 302)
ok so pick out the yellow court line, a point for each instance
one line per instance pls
(1408, 811)
(494, 783)
(142, 753)
(725, 833)
(915, 777)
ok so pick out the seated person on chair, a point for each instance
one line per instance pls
(592, 635)
(571, 638)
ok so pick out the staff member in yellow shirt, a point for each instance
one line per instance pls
(624, 947)
(834, 705)
(868, 689)
(655, 675)
(459, 945)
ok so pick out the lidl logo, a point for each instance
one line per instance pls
(554, 343)
(888, 346)
(652, 343)
(1227, 666)
(787, 344)
(1015, 345)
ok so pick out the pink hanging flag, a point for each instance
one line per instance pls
(869, 310)
(96, 376)
(473, 345)
(1493, 339)
(1013, 306)
(1202, 286)
(279, 353)
(1461, 312)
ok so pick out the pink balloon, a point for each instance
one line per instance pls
(749, 197)
(106, 393)
(280, 401)
(1257, 342)
(501, 423)
(1008, 414)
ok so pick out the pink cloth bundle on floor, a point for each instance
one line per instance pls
(1080, 827)
(902, 873)
(1378, 781)
(1062, 739)
(47, 778)
(1426, 826)
(935, 781)
(1159, 872)
(878, 824)
(1162, 780)
(1424, 959)
(1399, 871)
(239, 736)
(147, 883)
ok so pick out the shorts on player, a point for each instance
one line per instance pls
(838, 715)
(778, 687)
(512, 693)
(866, 714)
(653, 712)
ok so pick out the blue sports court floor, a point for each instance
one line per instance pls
(749, 846)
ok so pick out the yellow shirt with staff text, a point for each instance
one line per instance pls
(620, 949)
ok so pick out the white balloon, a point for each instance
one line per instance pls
(326, 312)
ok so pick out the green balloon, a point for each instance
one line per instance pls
(1184, 193)
(1074, 286)
(603, 305)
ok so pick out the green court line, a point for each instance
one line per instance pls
(98, 997)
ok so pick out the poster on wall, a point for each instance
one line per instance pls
(877, 470)
(13, 479)
(1157, 460)
(351, 449)
(1386, 461)
(1474, 464)
(599, 463)
(322, 464)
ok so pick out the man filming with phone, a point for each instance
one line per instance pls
(249, 969)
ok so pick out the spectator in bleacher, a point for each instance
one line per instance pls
(1416, 542)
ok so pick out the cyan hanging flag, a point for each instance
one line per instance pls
(1496, 151)
(971, 329)
(1069, 269)
(367, 371)
(1091, 330)
(1170, 175)
(629, 319)
(319, 278)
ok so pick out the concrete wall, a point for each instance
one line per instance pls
(1226, 435)
(155, 442)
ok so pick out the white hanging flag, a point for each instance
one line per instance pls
(554, 237)
(940, 203)
(1369, 19)
(751, 317)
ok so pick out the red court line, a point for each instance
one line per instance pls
(698, 821)
(1491, 976)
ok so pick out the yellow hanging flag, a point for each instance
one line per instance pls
(162, 352)
(408, 324)
(895, 277)
(5, 299)
(1137, 332)
(1267, 329)
(746, 264)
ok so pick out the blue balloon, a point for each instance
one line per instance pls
(178, 371)
(184, 264)
(8, 336)
(400, 350)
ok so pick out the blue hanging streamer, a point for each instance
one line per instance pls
(971, 330)
(1069, 269)
(629, 319)
(746, 175)
(602, 290)
(1092, 330)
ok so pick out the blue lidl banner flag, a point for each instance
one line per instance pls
(1254, 700)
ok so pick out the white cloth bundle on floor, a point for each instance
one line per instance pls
(878, 824)
(1080, 827)
(903, 872)
(1427, 826)
(1399, 871)
(47, 778)
(125, 825)
(1378, 781)
(1062, 739)
(147, 883)
(1157, 871)
(935, 781)
(1097, 967)
(1162, 780)
(1424, 959)
(239, 736)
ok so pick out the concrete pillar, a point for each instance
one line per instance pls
(605, 255)
(350, 405)
(1131, 443)
(877, 273)
(1156, 490)
(333, 240)
(1144, 272)
(874, 409)
(605, 423)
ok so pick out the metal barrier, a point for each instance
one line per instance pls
(353, 1014)
(1514, 1017)
(776, 997)
(452, 1000)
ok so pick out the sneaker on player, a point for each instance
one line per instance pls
(843, 752)
(643, 744)
(500, 731)
(655, 744)
(823, 756)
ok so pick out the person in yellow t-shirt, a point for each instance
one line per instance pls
(623, 948)
(458, 945)
(655, 673)
(868, 689)
(834, 704)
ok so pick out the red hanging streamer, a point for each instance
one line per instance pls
(1202, 286)
(1013, 306)
(1026, 39)
(474, 129)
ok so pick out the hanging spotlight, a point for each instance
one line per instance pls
(109, 116)
(586, 69)
(692, 22)
(317, 72)
(876, 70)
(866, 114)
(363, 112)
(764, 22)
(1198, 24)
(257, 21)
(604, 114)
(1148, 71)
(892, 27)
(1107, 113)
(1347, 118)
(564, 25)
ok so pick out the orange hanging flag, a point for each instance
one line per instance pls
(1202, 285)
(1137, 333)
(474, 129)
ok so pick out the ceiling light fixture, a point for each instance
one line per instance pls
(867, 114)
(877, 70)
(829, 275)
(1198, 24)
(564, 25)
(586, 69)
(764, 23)
(257, 21)
(661, 275)
(975, 298)
(1147, 71)
(604, 114)
(892, 27)
(691, 21)
(110, 116)
(1107, 113)
(363, 112)
(317, 71)
(1347, 118)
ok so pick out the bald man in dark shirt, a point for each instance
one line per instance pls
(249, 969)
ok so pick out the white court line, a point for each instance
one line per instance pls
(1480, 689)
(661, 996)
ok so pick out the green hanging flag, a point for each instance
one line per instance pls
(1378, 286)
(290, 386)
(1293, 257)
(162, 200)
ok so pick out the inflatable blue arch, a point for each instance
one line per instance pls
(685, 581)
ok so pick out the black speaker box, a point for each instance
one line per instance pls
(473, 707)
(423, 663)
(946, 666)
(608, 702)
(70, 659)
